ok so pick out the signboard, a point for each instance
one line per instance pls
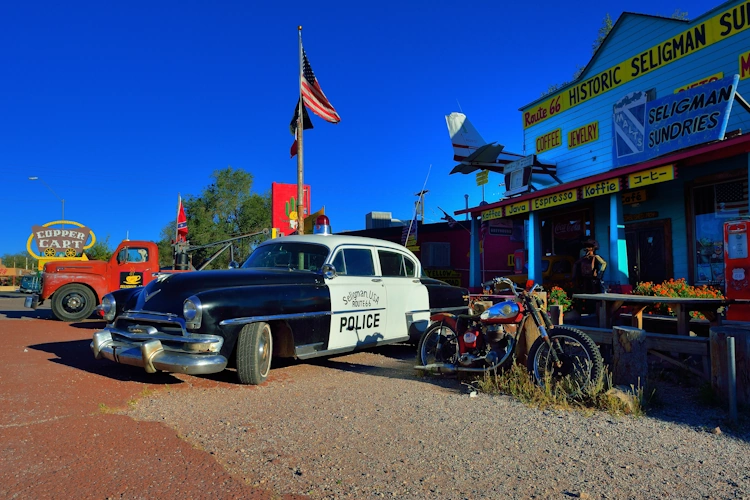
(501, 227)
(550, 140)
(640, 216)
(518, 208)
(493, 213)
(483, 177)
(583, 135)
(448, 275)
(60, 240)
(601, 188)
(131, 279)
(634, 197)
(554, 200)
(708, 79)
(651, 176)
(526, 161)
(284, 206)
(674, 122)
(716, 29)
(744, 65)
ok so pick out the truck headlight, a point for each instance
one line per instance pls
(108, 307)
(192, 311)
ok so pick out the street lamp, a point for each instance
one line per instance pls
(34, 178)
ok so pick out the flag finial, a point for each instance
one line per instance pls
(299, 28)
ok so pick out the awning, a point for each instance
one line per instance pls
(633, 176)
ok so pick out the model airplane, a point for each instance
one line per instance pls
(475, 153)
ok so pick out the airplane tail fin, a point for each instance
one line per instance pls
(464, 136)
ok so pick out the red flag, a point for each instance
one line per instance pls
(315, 99)
(182, 229)
(306, 124)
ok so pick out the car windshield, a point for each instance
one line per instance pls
(306, 256)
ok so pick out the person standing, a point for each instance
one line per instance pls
(588, 270)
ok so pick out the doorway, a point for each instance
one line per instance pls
(649, 251)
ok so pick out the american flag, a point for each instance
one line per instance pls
(731, 198)
(306, 124)
(447, 217)
(315, 99)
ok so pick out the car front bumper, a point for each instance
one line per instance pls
(152, 355)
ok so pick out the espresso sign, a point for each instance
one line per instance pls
(56, 240)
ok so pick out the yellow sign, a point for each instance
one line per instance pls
(548, 141)
(601, 188)
(744, 65)
(310, 220)
(716, 29)
(583, 135)
(634, 197)
(517, 208)
(554, 200)
(50, 256)
(448, 275)
(483, 177)
(702, 81)
(651, 176)
(493, 213)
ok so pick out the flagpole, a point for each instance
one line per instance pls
(300, 154)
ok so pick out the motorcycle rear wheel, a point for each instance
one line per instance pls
(581, 362)
(438, 344)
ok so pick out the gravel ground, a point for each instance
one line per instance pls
(363, 426)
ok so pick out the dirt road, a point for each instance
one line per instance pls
(58, 437)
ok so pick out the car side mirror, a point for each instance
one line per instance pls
(329, 271)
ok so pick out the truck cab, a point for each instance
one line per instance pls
(75, 288)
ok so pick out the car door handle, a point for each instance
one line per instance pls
(377, 280)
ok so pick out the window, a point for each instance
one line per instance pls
(306, 256)
(137, 255)
(395, 264)
(713, 205)
(354, 262)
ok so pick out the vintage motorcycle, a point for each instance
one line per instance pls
(487, 341)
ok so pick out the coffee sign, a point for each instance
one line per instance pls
(68, 241)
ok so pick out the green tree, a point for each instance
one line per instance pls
(21, 260)
(604, 30)
(226, 208)
(100, 250)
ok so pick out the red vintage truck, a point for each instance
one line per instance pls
(76, 287)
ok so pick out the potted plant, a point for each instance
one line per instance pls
(559, 297)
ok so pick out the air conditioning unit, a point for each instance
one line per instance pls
(436, 254)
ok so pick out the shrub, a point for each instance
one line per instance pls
(558, 296)
(675, 288)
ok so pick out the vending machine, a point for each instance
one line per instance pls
(737, 268)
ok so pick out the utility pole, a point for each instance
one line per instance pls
(420, 201)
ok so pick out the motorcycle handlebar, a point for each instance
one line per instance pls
(517, 290)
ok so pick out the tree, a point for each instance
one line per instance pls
(225, 208)
(100, 250)
(19, 259)
(604, 30)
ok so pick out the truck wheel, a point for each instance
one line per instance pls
(73, 302)
(254, 350)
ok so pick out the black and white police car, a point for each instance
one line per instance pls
(297, 296)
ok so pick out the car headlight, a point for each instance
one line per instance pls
(192, 310)
(109, 307)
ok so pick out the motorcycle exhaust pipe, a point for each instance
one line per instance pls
(452, 368)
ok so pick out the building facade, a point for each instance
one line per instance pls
(651, 149)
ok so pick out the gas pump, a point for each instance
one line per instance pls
(737, 268)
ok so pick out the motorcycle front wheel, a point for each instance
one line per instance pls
(576, 361)
(438, 344)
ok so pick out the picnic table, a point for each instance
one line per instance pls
(608, 304)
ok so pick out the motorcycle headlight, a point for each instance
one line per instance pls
(192, 312)
(108, 307)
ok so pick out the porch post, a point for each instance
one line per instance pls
(475, 258)
(617, 266)
(535, 247)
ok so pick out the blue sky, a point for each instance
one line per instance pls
(120, 107)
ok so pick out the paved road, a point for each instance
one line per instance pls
(58, 438)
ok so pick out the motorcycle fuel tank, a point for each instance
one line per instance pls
(507, 311)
